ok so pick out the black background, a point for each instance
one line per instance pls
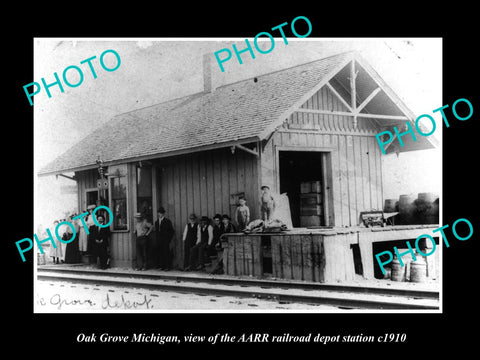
(55, 334)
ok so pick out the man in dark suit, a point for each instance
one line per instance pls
(163, 232)
(100, 237)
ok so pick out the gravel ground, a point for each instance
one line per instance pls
(56, 296)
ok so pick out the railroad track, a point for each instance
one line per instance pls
(343, 296)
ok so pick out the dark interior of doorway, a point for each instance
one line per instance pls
(92, 197)
(297, 167)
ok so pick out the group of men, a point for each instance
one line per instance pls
(154, 242)
(201, 240)
(201, 237)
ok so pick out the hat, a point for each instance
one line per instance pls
(161, 210)
(265, 187)
(91, 207)
(218, 216)
(225, 216)
(138, 215)
(192, 216)
(205, 218)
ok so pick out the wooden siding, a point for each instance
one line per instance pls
(203, 183)
(355, 170)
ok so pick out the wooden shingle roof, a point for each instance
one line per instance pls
(241, 112)
(236, 112)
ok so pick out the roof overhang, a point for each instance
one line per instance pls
(151, 156)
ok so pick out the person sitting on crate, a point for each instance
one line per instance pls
(227, 226)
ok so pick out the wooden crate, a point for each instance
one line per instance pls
(305, 187)
(311, 210)
(310, 199)
(310, 220)
(316, 186)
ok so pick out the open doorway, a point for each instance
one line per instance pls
(91, 197)
(301, 178)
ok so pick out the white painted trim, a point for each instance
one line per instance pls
(266, 132)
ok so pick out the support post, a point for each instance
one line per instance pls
(353, 92)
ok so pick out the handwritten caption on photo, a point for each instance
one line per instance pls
(108, 302)
(59, 237)
(71, 83)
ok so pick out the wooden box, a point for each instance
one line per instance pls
(310, 199)
(310, 220)
(311, 210)
(305, 187)
(316, 186)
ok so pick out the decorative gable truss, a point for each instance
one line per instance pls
(353, 100)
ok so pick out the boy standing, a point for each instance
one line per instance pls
(268, 203)
(242, 214)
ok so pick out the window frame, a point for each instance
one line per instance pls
(137, 167)
(110, 201)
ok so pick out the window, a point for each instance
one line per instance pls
(144, 192)
(119, 202)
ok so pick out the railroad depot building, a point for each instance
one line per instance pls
(312, 123)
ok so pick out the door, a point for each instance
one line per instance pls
(301, 177)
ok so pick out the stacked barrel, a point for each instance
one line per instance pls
(424, 209)
(310, 203)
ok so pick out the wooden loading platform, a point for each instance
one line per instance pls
(319, 255)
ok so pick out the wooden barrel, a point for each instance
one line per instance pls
(398, 271)
(432, 216)
(406, 208)
(418, 270)
(390, 205)
(428, 197)
(423, 205)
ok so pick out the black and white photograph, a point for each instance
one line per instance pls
(229, 175)
(230, 182)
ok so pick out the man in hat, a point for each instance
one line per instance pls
(142, 229)
(101, 236)
(189, 238)
(204, 239)
(163, 233)
(217, 232)
(268, 203)
(227, 226)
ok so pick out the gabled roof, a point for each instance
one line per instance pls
(243, 111)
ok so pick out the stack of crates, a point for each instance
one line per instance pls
(311, 203)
